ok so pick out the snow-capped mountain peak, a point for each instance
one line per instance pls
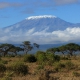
(41, 16)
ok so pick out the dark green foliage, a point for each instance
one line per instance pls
(69, 48)
(2, 68)
(6, 48)
(18, 68)
(28, 47)
(64, 58)
(52, 50)
(47, 58)
(52, 57)
(41, 57)
(3, 61)
(57, 58)
(0, 58)
(29, 58)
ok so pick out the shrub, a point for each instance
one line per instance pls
(76, 74)
(29, 58)
(41, 57)
(59, 66)
(57, 57)
(18, 68)
(69, 65)
(0, 58)
(2, 67)
(51, 58)
(64, 58)
(40, 67)
(3, 61)
(44, 75)
(6, 78)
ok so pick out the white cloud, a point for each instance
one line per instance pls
(43, 37)
(8, 4)
(63, 2)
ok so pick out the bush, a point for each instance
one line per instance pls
(40, 67)
(2, 67)
(57, 58)
(51, 58)
(76, 74)
(69, 65)
(29, 58)
(44, 75)
(64, 58)
(3, 61)
(0, 58)
(6, 78)
(18, 68)
(41, 57)
(59, 66)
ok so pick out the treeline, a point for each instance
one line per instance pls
(69, 48)
(10, 48)
(26, 46)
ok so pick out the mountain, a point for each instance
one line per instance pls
(39, 23)
(46, 29)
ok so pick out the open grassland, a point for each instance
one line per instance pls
(17, 68)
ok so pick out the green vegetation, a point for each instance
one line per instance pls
(18, 68)
(45, 65)
(28, 47)
(68, 48)
(2, 68)
(29, 58)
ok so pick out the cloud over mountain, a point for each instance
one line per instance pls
(43, 37)
(46, 29)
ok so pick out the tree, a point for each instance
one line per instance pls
(52, 50)
(62, 49)
(36, 45)
(28, 47)
(4, 48)
(71, 47)
(16, 49)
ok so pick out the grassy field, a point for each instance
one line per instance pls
(67, 68)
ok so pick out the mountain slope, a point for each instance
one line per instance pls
(40, 23)
(45, 29)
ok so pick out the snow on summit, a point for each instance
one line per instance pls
(38, 17)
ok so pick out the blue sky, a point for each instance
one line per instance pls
(13, 11)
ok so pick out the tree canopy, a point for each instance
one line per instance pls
(28, 46)
(69, 48)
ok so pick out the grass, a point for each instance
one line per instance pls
(60, 70)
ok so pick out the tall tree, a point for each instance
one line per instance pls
(4, 48)
(28, 46)
(16, 49)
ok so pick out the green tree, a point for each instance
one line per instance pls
(4, 48)
(28, 47)
(16, 49)
(69, 48)
(52, 50)
(72, 47)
